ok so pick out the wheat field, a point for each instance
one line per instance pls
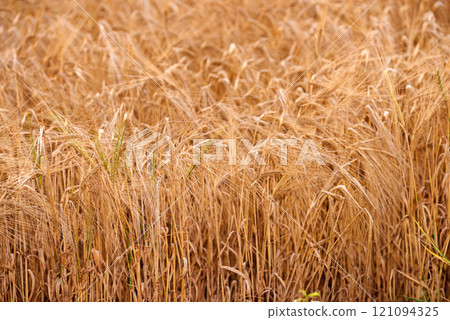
(366, 81)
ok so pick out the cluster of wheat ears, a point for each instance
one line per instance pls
(367, 82)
